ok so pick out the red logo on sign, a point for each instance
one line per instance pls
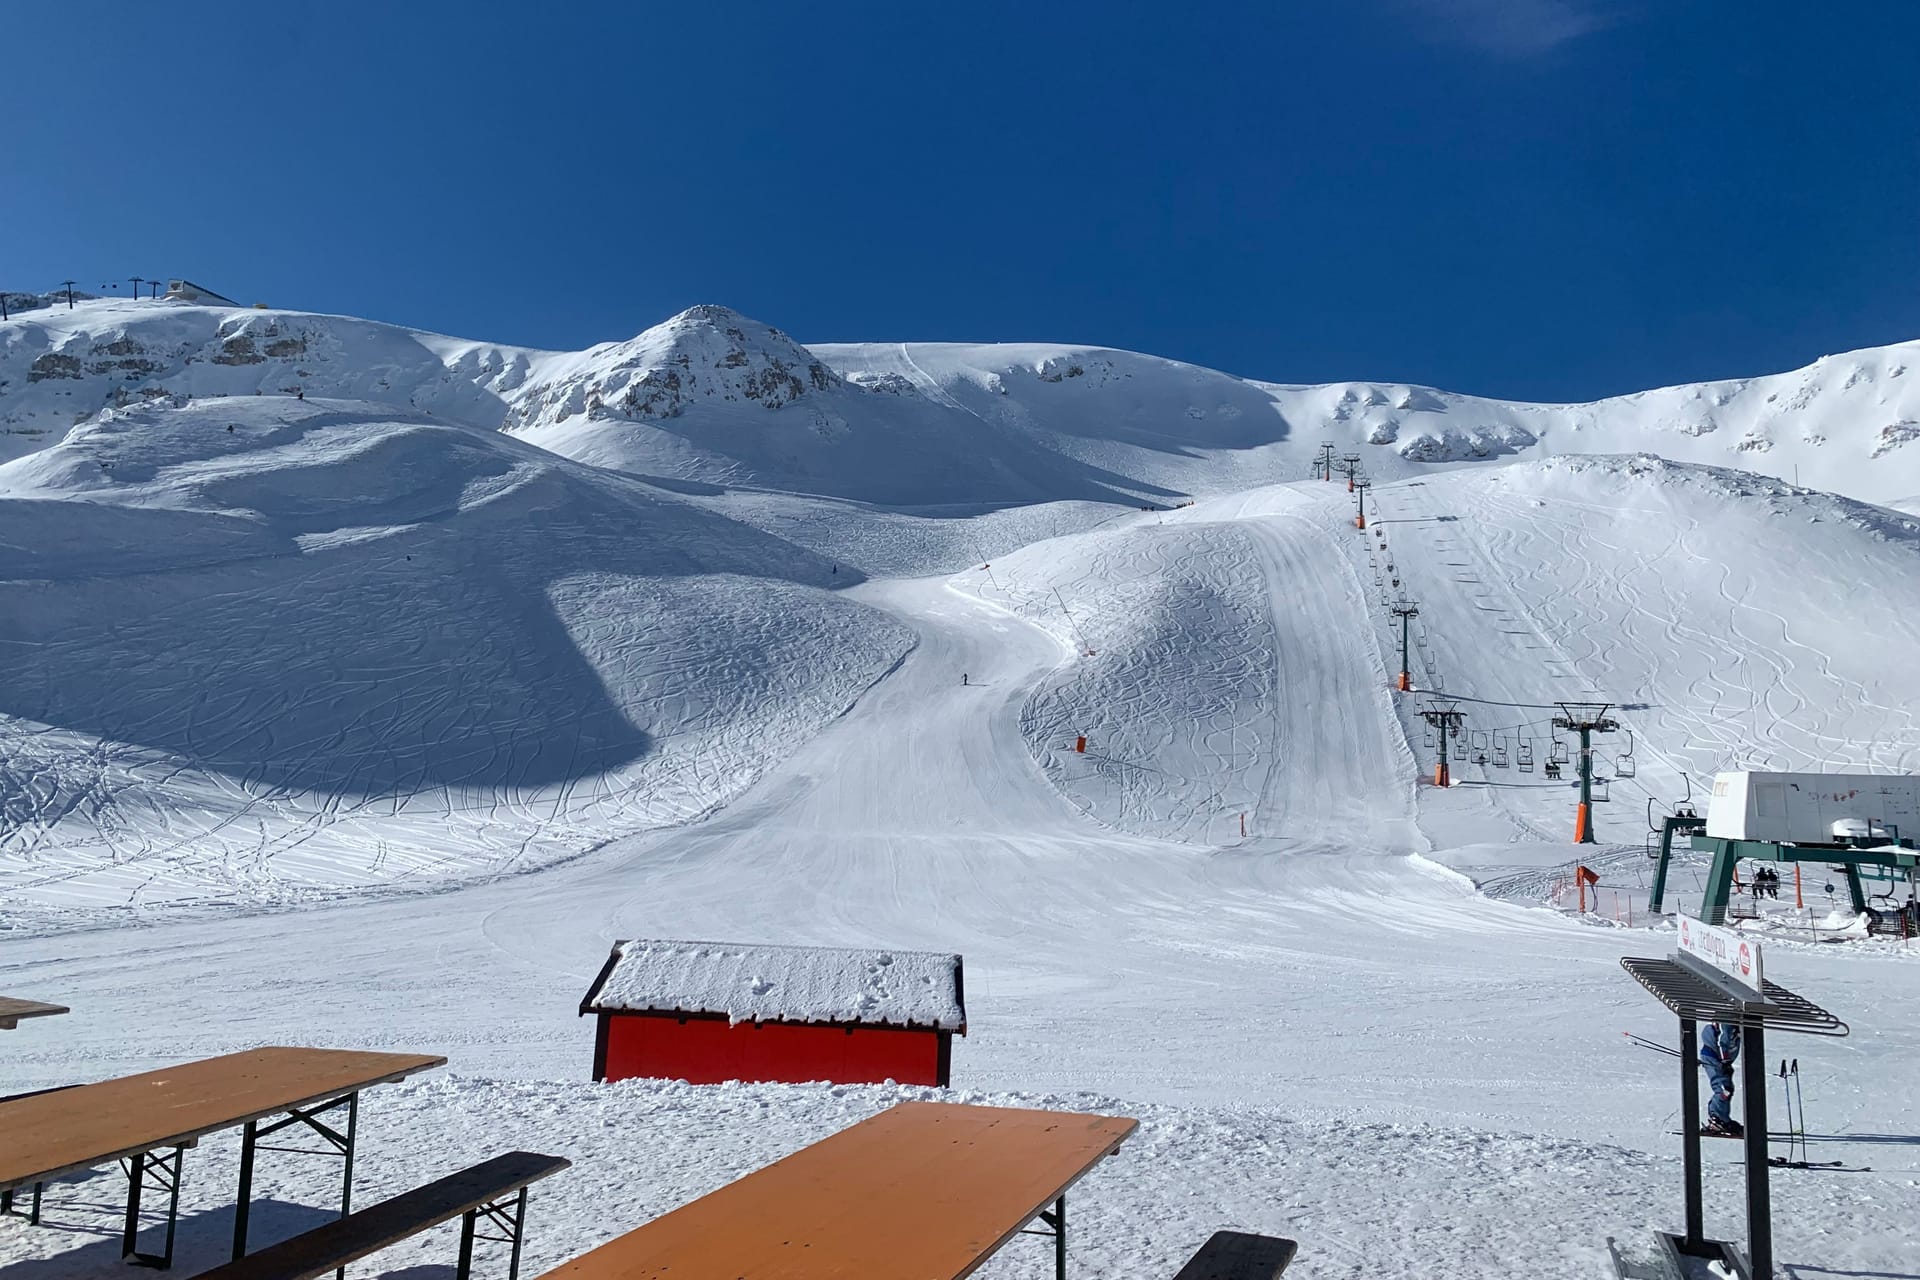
(1746, 960)
(1686, 934)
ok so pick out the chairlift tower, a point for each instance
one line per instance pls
(1406, 611)
(1443, 714)
(1323, 461)
(1360, 487)
(1585, 719)
(1350, 463)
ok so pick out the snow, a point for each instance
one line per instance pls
(759, 983)
(369, 724)
(236, 658)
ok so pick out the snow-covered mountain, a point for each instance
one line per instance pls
(305, 645)
(262, 566)
(711, 397)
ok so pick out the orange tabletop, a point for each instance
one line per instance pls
(924, 1191)
(12, 1010)
(48, 1134)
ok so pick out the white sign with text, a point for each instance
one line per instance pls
(1725, 950)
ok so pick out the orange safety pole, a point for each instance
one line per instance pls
(1798, 903)
(1582, 882)
(1582, 821)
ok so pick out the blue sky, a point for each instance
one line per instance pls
(1547, 199)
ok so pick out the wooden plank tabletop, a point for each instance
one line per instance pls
(12, 1010)
(924, 1191)
(66, 1130)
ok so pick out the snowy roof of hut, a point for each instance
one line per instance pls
(749, 982)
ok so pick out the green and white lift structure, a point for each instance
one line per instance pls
(1848, 820)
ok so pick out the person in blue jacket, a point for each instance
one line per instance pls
(1719, 1050)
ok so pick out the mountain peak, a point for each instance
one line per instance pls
(707, 353)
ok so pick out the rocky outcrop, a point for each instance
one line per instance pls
(706, 354)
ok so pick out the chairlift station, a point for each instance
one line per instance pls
(1849, 820)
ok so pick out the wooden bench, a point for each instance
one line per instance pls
(929, 1190)
(470, 1194)
(1237, 1255)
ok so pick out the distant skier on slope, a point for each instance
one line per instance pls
(1719, 1050)
(963, 677)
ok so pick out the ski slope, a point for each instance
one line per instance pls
(365, 720)
(1320, 1042)
(263, 650)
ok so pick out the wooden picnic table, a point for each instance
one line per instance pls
(923, 1191)
(12, 1010)
(67, 1130)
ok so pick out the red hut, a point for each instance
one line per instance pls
(712, 1011)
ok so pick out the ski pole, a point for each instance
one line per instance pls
(1800, 1089)
(1655, 1045)
(1786, 1090)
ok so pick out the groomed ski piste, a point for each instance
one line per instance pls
(368, 716)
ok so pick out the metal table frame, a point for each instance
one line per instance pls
(1697, 994)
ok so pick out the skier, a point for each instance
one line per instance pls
(1719, 1050)
(963, 677)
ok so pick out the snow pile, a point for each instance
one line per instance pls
(760, 983)
(269, 649)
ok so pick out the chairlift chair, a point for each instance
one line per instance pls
(1553, 769)
(1557, 754)
(1499, 753)
(1600, 792)
(1624, 766)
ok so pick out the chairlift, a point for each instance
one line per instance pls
(1553, 769)
(1525, 751)
(1454, 729)
(1426, 735)
(1599, 790)
(1624, 767)
(1499, 753)
(1557, 754)
(1479, 757)
(1429, 664)
(1479, 741)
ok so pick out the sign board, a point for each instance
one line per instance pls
(1736, 956)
